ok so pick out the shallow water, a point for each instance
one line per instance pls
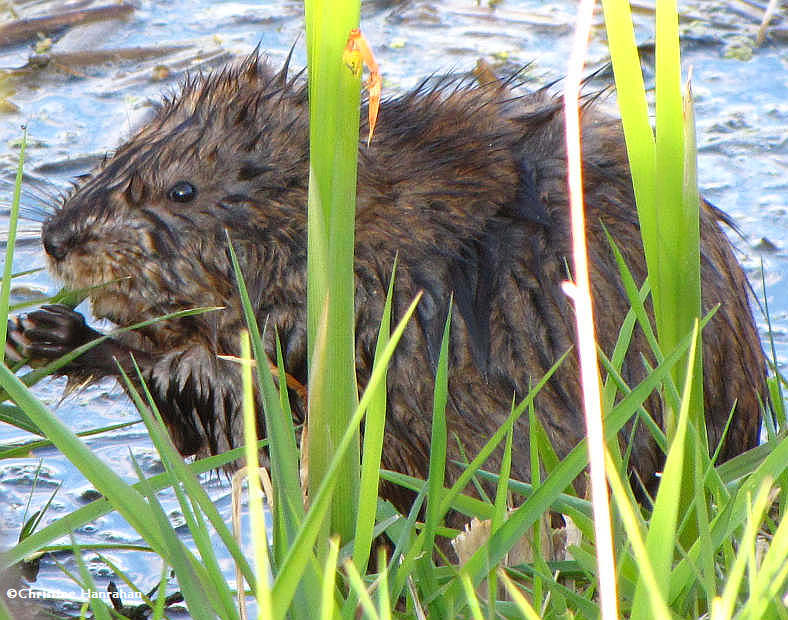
(78, 107)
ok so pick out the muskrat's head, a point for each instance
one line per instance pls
(149, 227)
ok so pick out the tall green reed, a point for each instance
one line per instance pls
(334, 97)
(5, 287)
(663, 167)
(668, 210)
(580, 292)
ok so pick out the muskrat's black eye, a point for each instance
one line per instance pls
(182, 191)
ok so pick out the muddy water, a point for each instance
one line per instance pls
(87, 87)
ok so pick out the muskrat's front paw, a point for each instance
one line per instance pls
(46, 334)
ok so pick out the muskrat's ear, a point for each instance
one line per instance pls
(136, 191)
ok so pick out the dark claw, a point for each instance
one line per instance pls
(15, 342)
(48, 351)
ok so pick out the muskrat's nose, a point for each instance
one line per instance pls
(57, 241)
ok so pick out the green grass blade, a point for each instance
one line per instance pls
(9, 414)
(384, 595)
(439, 440)
(436, 473)
(374, 429)
(637, 304)
(523, 605)
(97, 605)
(327, 605)
(676, 274)
(648, 585)
(725, 605)
(13, 218)
(359, 589)
(499, 516)
(257, 518)
(462, 503)
(203, 589)
(195, 590)
(664, 520)
(471, 598)
(631, 95)
(689, 288)
(143, 597)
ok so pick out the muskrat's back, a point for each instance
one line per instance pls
(467, 185)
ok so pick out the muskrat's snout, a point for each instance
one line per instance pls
(57, 239)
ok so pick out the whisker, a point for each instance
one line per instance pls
(35, 213)
(24, 236)
(30, 212)
(35, 187)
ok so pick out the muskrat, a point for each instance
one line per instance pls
(465, 183)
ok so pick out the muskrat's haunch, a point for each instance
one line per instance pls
(466, 184)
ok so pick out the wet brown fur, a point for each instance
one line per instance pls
(466, 184)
